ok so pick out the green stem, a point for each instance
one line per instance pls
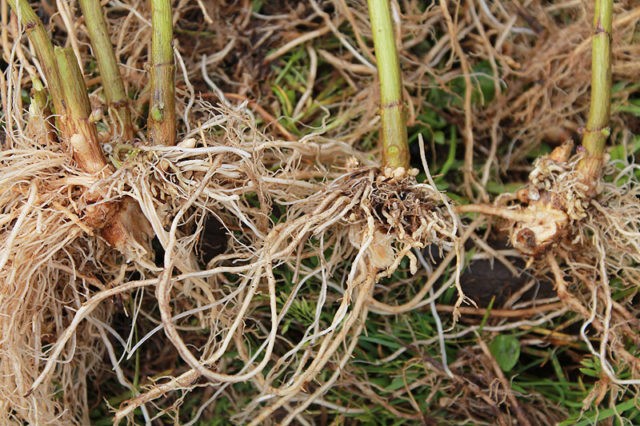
(395, 146)
(597, 130)
(44, 50)
(162, 111)
(106, 59)
(81, 133)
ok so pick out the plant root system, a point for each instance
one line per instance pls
(372, 219)
(319, 243)
(586, 238)
(342, 232)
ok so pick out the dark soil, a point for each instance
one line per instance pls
(486, 279)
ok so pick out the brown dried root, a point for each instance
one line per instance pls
(48, 263)
(335, 240)
(52, 262)
(363, 216)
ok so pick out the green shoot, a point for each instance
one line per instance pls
(162, 110)
(597, 130)
(106, 59)
(395, 147)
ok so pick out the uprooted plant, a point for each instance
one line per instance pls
(343, 224)
(561, 186)
(577, 216)
(374, 217)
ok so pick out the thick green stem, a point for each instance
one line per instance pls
(597, 130)
(81, 133)
(162, 111)
(106, 58)
(395, 146)
(44, 50)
